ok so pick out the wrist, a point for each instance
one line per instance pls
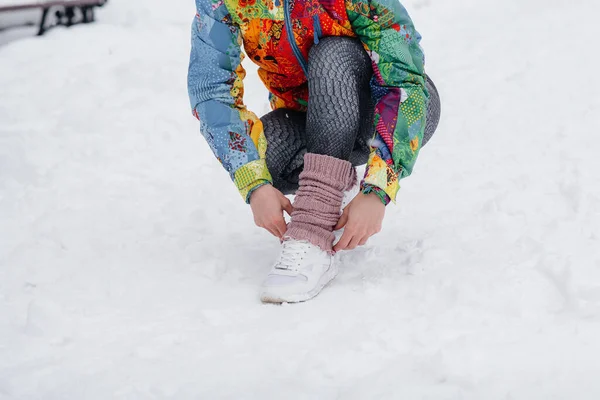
(256, 189)
(368, 189)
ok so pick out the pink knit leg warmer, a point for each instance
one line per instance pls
(319, 199)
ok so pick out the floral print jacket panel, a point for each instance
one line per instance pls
(277, 35)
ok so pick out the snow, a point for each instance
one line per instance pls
(129, 266)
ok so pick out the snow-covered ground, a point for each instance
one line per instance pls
(129, 266)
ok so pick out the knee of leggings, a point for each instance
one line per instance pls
(434, 108)
(343, 55)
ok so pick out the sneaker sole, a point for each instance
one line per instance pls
(327, 277)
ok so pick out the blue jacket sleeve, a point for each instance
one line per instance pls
(215, 86)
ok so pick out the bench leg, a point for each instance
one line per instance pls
(67, 17)
(84, 14)
(87, 12)
(70, 14)
(43, 21)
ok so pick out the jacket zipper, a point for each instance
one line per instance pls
(317, 29)
(292, 38)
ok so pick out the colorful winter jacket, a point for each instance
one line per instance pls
(277, 35)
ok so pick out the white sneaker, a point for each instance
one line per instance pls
(299, 274)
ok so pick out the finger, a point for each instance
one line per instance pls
(343, 242)
(363, 241)
(287, 206)
(272, 231)
(270, 228)
(281, 227)
(342, 221)
(354, 242)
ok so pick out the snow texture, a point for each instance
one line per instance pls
(129, 266)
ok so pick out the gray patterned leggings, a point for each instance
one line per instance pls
(339, 119)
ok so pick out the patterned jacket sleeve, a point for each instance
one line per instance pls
(215, 87)
(398, 84)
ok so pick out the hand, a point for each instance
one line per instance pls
(267, 205)
(362, 219)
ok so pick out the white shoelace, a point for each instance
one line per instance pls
(292, 253)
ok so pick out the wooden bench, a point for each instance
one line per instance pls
(65, 14)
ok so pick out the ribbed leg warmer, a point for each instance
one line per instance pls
(319, 199)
